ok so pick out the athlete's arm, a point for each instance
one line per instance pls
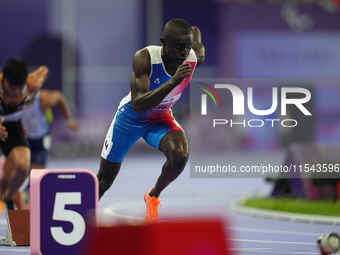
(3, 131)
(52, 98)
(197, 45)
(36, 79)
(142, 98)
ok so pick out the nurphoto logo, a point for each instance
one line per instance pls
(239, 100)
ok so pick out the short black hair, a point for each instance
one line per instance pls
(15, 71)
(179, 26)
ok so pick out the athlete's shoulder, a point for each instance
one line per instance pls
(153, 48)
(155, 53)
(149, 51)
(141, 61)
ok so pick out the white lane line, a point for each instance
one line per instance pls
(108, 217)
(111, 212)
(261, 250)
(249, 249)
(273, 242)
(286, 216)
(280, 232)
(24, 250)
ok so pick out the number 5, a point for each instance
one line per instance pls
(62, 214)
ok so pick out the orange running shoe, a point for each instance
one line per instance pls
(2, 206)
(151, 204)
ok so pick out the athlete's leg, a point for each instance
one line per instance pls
(16, 168)
(8, 171)
(39, 151)
(167, 135)
(39, 157)
(175, 147)
(17, 164)
(21, 197)
(170, 139)
(107, 173)
(17, 198)
(120, 137)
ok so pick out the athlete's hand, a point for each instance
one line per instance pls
(197, 34)
(183, 71)
(73, 125)
(36, 79)
(3, 131)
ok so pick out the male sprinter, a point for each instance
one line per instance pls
(160, 74)
(18, 88)
(37, 123)
(37, 118)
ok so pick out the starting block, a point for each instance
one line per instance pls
(61, 202)
(206, 236)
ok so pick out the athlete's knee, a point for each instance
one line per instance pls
(19, 160)
(22, 166)
(178, 159)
